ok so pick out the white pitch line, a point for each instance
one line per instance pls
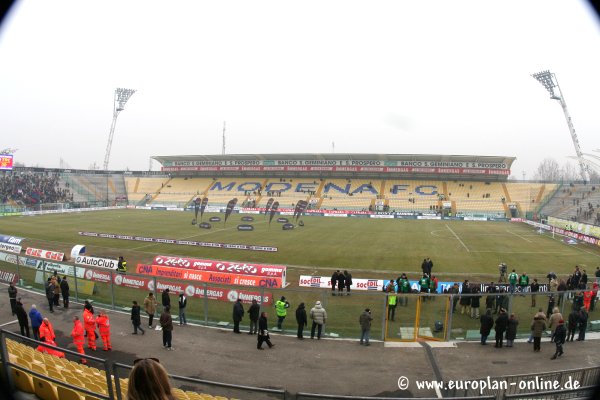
(519, 236)
(565, 253)
(456, 236)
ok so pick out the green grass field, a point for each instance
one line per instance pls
(369, 248)
(456, 247)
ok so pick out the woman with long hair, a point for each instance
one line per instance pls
(149, 380)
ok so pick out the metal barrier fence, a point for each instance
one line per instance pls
(114, 370)
(8, 364)
(415, 316)
(303, 396)
(576, 383)
(514, 386)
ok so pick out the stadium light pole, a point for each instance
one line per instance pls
(121, 97)
(549, 81)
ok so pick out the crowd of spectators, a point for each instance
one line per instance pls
(31, 188)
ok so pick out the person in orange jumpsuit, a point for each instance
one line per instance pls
(89, 323)
(104, 326)
(78, 338)
(587, 299)
(47, 336)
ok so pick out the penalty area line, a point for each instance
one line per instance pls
(519, 236)
(457, 238)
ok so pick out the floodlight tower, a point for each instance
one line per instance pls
(121, 97)
(549, 81)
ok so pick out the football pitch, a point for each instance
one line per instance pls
(457, 248)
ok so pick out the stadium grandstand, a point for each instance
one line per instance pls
(450, 186)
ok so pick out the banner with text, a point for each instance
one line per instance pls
(221, 266)
(96, 262)
(46, 254)
(209, 277)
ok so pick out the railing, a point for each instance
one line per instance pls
(113, 381)
(302, 396)
(534, 386)
(7, 363)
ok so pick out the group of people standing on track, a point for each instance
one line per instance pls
(342, 280)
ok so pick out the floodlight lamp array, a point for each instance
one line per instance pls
(546, 79)
(122, 95)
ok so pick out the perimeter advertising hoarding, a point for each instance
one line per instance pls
(8, 277)
(585, 229)
(325, 282)
(212, 293)
(97, 262)
(209, 277)
(9, 243)
(222, 266)
(379, 284)
(46, 254)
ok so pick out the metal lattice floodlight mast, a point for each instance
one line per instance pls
(121, 97)
(549, 81)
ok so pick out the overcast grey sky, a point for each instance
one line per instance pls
(397, 77)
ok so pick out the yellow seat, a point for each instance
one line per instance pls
(23, 381)
(68, 394)
(22, 362)
(93, 387)
(39, 368)
(179, 394)
(27, 356)
(54, 373)
(44, 389)
(73, 380)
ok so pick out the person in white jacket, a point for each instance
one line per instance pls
(319, 318)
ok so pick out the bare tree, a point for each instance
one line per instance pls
(569, 172)
(548, 170)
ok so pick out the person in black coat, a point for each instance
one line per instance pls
(560, 336)
(334, 279)
(22, 317)
(347, 281)
(12, 296)
(301, 319)
(582, 323)
(166, 300)
(64, 289)
(511, 330)
(238, 314)
(341, 283)
(572, 326)
(263, 332)
(487, 322)
(136, 319)
(501, 325)
(253, 313)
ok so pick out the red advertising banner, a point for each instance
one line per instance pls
(229, 295)
(209, 277)
(221, 266)
(97, 275)
(47, 254)
(137, 282)
(384, 169)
